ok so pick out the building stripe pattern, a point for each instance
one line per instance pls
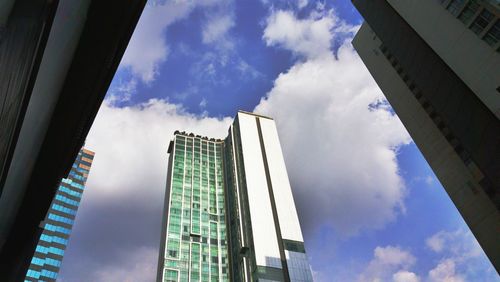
(59, 221)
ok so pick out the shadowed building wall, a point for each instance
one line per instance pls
(438, 64)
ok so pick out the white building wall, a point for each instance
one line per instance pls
(264, 235)
(285, 205)
(472, 59)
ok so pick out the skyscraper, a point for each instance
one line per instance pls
(57, 225)
(438, 64)
(229, 211)
(57, 60)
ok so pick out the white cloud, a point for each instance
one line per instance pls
(340, 152)
(445, 272)
(117, 231)
(302, 4)
(460, 244)
(405, 276)
(457, 259)
(131, 150)
(216, 28)
(148, 47)
(138, 265)
(461, 258)
(206, 69)
(429, 180)
(203, 103)
(122, 92)
(388, 262)
(310, 37)
(391, 255)
(247, 71)
(435, 242)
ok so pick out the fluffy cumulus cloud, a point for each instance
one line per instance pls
(340, 137)
(445, 272)
(459, 243)
(388, 263)
(309, 37)
(460, 258)
(117, 233)
(135, 138)
(454, 256)
(405, 276)
(148, 47)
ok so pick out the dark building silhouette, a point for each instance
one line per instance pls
(57, 59)
(438, 64)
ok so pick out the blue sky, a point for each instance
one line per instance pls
(369, 205)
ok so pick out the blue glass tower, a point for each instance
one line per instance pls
(57, 225)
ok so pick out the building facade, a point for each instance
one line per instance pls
(57, 225)
(229, 210)
(57, 61)
(193, 246)
(438, 64)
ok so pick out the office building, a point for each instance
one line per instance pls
(229, 211)
(57, 60)
(438, 64)
(57, 225)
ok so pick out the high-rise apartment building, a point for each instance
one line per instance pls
(438, 64)
(229, 211)
(57, 225)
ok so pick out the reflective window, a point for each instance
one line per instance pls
(55, 228)
(46, 250)
(49, 274)
(67, 200)
(33, 274)
(63, 209)
(70, 192)
(455, 6)
(493, 35)
(54, 239)
(59, 218)
(469, 11)
(481, 21)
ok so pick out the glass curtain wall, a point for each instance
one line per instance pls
(196, 248)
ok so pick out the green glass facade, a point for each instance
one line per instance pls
(195, 245)
(229, 213)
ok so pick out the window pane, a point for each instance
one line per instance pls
(469, 11)
(455, 6)
(481, 21)
(493, 35)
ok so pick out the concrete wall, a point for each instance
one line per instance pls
(472, 59)
(266, 246)
(459, 181)
(285, 205)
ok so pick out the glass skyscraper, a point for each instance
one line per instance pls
(57, 225)
(229, 211)
(195, 247)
